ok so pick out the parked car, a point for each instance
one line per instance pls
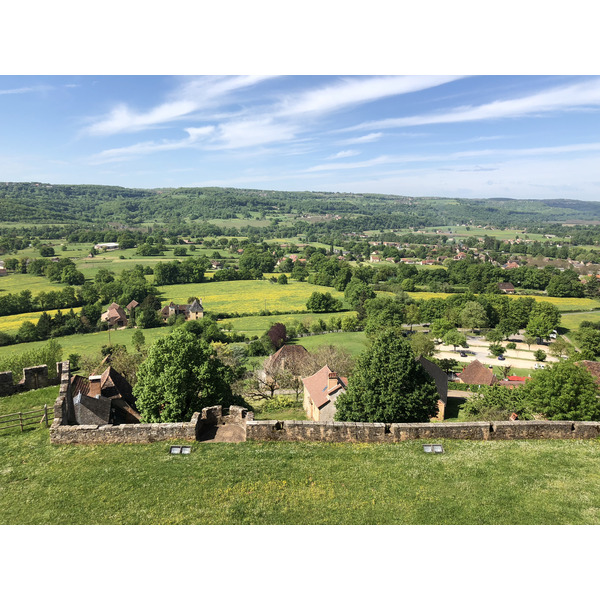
(463, 354)
(501, 357)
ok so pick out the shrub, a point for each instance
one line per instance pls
(511, 346)
(539, 355)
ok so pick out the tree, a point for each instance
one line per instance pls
(357, 292)
(277, 334)
(319, 302)
(147, 318)
(539, 355)
(560, 347)
(507, 327)
(455, 338)
(388, 385)
(473, 315)
(539, 326)
(384, 312)
(564, 391)
(529, 340)
(180, 377)
(413, 315)
(440, 327)
(282, 279)
(422, 344)
(138, 339)
(496, 349)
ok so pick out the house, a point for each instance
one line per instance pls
(375, 258)
(107, 246)
(320, 393)
(460, 256)
(507, 288)
(511, 264)
(441, 383)
(103, 399)
(477, 373)
(132, 306)
(115, 316)
(191, 312)
(289, 353)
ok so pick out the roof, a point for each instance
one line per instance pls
(478, 374)
(319, 387)
(505, 286)
(132, 304)
(287, 352)
(195, 307)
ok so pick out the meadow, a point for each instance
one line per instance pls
(250, 296)
(11, 323)
(257, 325)
(572, 321)
(472, 483)
(353, 342)
(17, 282)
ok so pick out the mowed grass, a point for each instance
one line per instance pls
(246, 296)
(256, 325)
(353, 342)
(89, 343)
(17, 282)
(573, 320)
(11, 323)
(27, 401)
(479, 483)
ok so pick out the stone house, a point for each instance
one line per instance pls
(191, 312)
(290, 354)
(507, 288)
(103, 399)
(115, 316)
(320, 393)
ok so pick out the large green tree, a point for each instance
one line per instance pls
(181, 376)
(473, 315)
(565, 391)
(388, 385)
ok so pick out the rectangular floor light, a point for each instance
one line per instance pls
(433, 448)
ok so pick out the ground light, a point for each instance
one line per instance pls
(433, 448)
(180, 450)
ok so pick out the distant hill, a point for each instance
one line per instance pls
(37, 202)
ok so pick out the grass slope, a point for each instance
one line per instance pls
(526, 482)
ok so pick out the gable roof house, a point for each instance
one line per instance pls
(103, 399)
(191, 312)
(115, 315)
(320, 393)
(477, 373)
(507, 288)
(289, 353)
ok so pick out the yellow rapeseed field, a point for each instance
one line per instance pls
(11, 323)
(246, 296)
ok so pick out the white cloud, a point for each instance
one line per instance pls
(192, 96)
(576, 96)
(26, 90)
(240, 134)
(344, 154)
(353, 91)
(363, 139)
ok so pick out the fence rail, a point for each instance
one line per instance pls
(24, 418)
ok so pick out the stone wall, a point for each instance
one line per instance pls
(400, 432)
(33, 378)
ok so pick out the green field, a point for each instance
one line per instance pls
(354, 342)
(88, 343)
(27, 401)
(257, 325)
(11, 323)
(573, 320)
(246, 296)
(17, 282)
(478, 483)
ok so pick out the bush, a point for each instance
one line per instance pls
(539, 355)
(511, 346)
(496, 349)
(279, 403)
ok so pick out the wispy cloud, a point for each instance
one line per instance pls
(189, 98)
(26, 90)
(343, 154)
(363, 139)
(571, 97)
(353, 91)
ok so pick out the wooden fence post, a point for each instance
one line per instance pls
(46, 414)
(21, 420)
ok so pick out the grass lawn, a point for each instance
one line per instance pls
(257, 325)
(17, 282)
(246, 296)
(512, 482)
(354, 342)
(28, 401)
(573, 320)
(89, 343)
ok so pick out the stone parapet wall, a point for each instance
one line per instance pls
(142, 433)
(400, 432)
(33, 378)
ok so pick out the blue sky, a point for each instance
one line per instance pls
(479, 136)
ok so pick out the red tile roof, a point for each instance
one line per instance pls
(320, 389)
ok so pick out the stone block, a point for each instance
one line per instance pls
(531, 430)
(585, 430)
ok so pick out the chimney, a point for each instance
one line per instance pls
(95, 385)
(332, 380)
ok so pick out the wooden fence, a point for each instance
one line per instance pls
(29, 417)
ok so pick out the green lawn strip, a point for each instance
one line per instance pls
(354, 342)
(257, 325)
(89, 343)
(512, 482)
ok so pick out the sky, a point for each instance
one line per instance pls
(467, 136)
